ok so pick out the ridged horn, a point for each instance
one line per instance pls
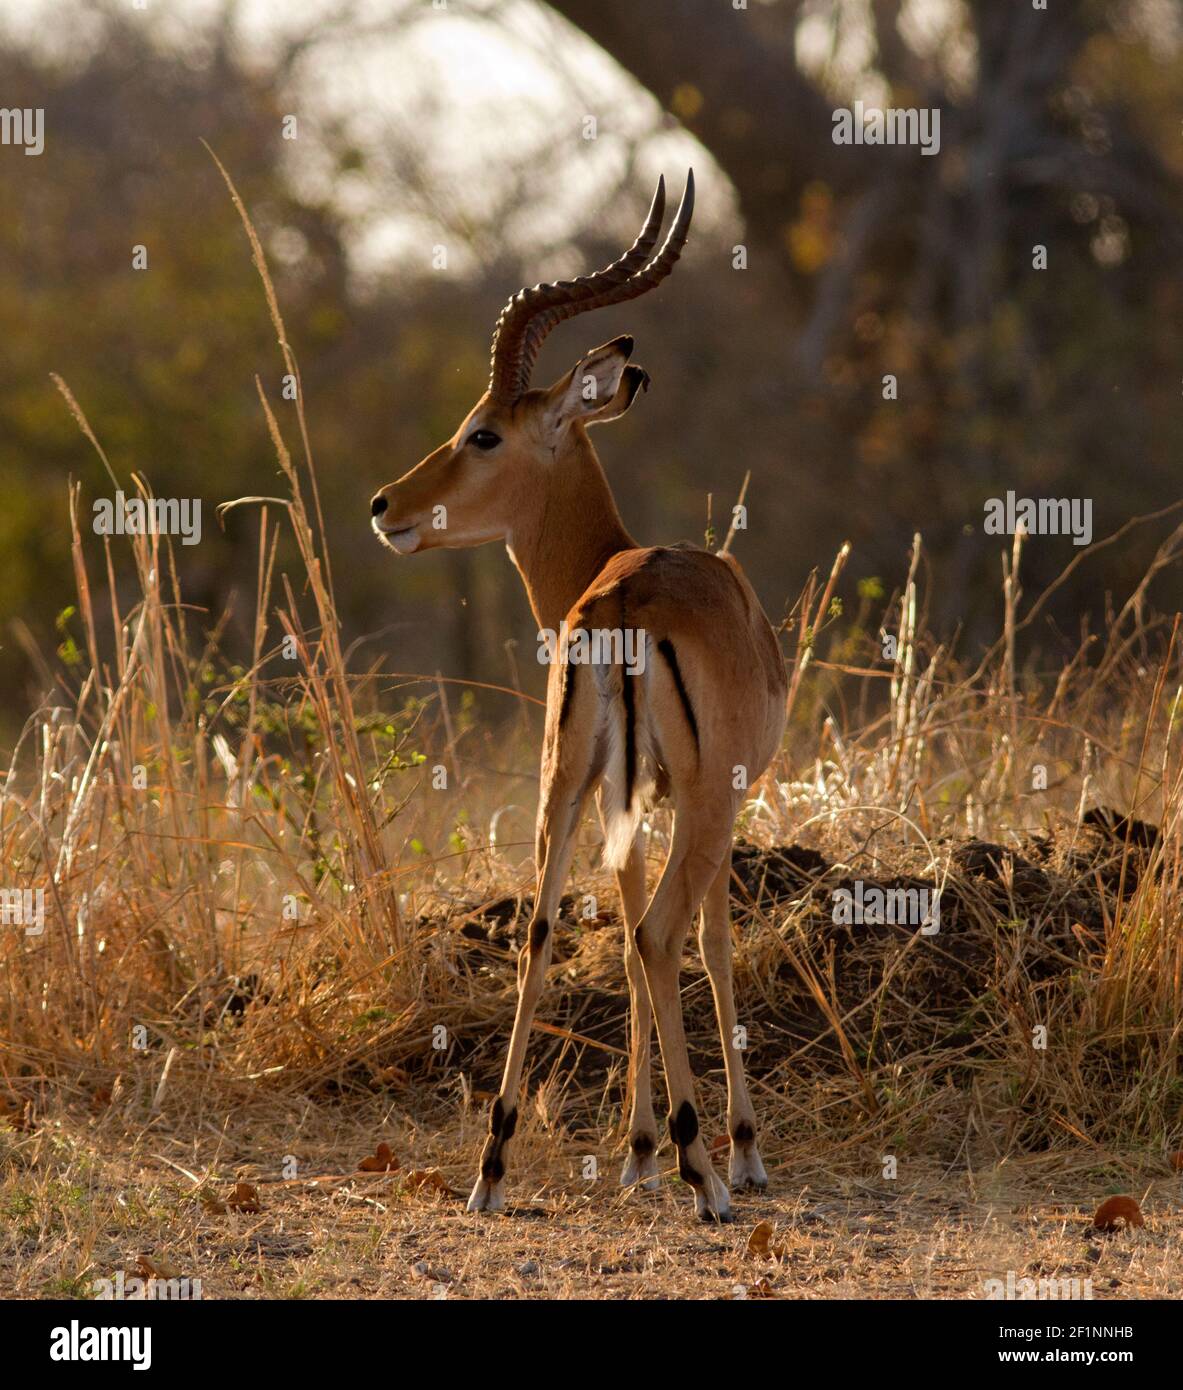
(531, 313)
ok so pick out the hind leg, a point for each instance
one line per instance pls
(693, 864)
(641, 1164)
(714, 939)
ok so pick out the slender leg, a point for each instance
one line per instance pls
(566, 783)
(714, 939)
(695, 855)
(641, 1164)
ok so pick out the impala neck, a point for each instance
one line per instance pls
(561, 546)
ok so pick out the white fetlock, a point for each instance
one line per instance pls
(486, 1196)
(746, 1169)
(640, 1171)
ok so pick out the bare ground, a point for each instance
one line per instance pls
(80, 1202)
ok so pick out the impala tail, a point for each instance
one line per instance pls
(629, 751)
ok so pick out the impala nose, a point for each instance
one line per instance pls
(378, 505)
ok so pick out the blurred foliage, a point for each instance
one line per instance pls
(163, 359)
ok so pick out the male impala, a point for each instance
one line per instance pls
(707, 700)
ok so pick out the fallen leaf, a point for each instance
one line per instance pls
(148, 1268)
(382, 1160)
(1177, 1161)
(1115, 1209)
(760, 1243)
(761, 1289)
(245, 1197)
(758, 1240)
(719, 1143)
(211, 1202)
(428, 1180)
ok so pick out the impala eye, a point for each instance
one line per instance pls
(484, 439)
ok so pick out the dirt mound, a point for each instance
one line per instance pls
(1033, 912)
(1009, 915)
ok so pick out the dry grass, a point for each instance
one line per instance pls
(268, 934)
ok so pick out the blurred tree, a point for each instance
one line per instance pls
(1059, 127)
(163, 358)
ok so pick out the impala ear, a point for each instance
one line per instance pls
(632, 380)
(600, 386)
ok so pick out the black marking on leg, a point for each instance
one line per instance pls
(568, 680)
(643, 1145)
(684, 1131)
(666, 648)
(687, 1171)
(502, 1122)
(684, 1125)
(743, 1133)
(538, 934)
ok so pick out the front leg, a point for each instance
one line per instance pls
(487, 1193)
(566, 783)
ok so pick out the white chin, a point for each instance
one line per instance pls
(404, 542)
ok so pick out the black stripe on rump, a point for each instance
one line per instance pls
(666, 648)
(630, 723)
(568, 679)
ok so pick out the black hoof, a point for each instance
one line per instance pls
(714, 1218)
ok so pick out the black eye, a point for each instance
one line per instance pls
(484, 439)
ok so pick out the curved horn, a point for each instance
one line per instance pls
(531, 314)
